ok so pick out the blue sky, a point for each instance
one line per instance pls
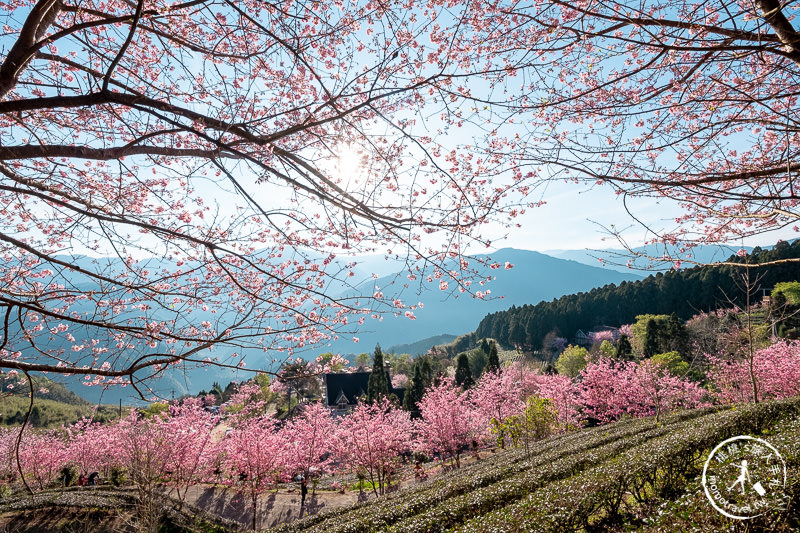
(574, 217)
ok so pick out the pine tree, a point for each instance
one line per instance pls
(674, 335)
(415, 390)
(651, 339)
(427, 373)
(377, 385)
(485, 346)
(463, 372)
(624, 348)
(494, 361)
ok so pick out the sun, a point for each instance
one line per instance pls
(349, 163)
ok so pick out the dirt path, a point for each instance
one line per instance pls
(274, 508)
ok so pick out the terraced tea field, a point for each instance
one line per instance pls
(636, 474)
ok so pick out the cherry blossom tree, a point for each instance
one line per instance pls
(663, 391)
(219, 154)
(562, 391)
(449, 421)
(41, 456)
(91, 446)
(257, 457)
(8, 463)
(776, 370)
(178, 178)
(310, 439)
(141, 446)
(688, 101)
(597, 337)
(371, 438)
(245, 403)
(497, 396)
(610, 388)
(400, 381)
(191, 450)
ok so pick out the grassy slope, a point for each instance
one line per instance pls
(630, 475)
(55, 404)
(51, 414)
(43, 388)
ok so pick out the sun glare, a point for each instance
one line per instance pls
(349, 163)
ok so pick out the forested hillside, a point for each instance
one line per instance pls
(684, 292)
(55, 404)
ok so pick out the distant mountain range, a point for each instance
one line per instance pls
(534, 277)
(421, 347)
(617, 258)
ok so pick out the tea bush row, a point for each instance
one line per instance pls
(655, 468)
(692, 511)
(482, 500)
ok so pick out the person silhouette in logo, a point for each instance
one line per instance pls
(744, 475)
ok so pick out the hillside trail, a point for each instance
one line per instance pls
(274, 507)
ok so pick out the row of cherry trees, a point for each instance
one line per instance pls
(185, 446)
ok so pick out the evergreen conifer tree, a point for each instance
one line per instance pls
(415, 390)
(463, 372)
(651, 339)
(494, 361)
(624, 348)
(427, 373)
(674, 335)
(377, 385)
(485, 346)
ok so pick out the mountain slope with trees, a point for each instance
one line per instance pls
(445, 311)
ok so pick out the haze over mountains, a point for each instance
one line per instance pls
(535, 277)
(617, 258)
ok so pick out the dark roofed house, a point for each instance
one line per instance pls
(582, 338)
(342, 390)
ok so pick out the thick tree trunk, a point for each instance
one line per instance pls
(772, 13)
(24, 50)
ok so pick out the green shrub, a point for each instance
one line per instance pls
(119, 476)
(68, 474)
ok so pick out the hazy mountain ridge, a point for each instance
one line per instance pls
(422, 346)
(533, 278)
(617, 258)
